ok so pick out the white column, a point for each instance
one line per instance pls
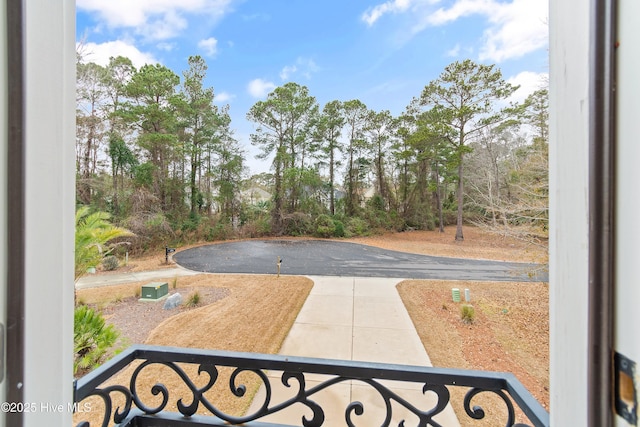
(568, 246)
(50, 200)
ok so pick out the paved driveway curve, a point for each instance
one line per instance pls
(331, 258)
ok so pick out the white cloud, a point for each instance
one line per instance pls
(259, 88)
(165, 27)
(371, 15)
(304, 66)
(529, 82)
(154, 19)
(460, 9)
(222, 97)
(209, 46)
(515, 27)
(100, 53)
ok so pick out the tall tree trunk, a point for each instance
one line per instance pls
(459, 235)
(405, 187)
(350, 190)
(114, 177)
(276, 218)
(381, 184)
(192, 181)
(439, 200)
(85, 189)
(292, 184)
(208, 187)
(332, 207)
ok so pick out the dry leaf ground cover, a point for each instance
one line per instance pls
(510, 333)
(255, 313)
(477, 244)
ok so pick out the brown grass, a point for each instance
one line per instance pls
(510, 334)
(477, 244)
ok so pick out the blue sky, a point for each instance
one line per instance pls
(382, 53)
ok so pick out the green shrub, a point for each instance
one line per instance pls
(449, 217)
(339, 230)
(208, 230)
(92, 338)
(467, 313)
(297, 224)
(143, 175)
(357, 226)
(191, 223)
(376, 203)
(258, 227)
(110, 263)
(221, 231)
(153, 231)
(324, 226)
(263, 226)
(397, 222)
(430, 224)
(193, 299)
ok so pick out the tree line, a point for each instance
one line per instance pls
(154, 150)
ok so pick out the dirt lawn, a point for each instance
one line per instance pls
(510, 331)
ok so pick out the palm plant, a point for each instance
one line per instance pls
(93, 233)
(92, 338)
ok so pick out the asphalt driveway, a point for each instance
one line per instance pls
(331, 258)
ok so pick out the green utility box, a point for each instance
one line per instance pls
(155, 290)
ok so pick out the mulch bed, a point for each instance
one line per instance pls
(135, 319)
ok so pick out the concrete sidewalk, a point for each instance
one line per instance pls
(345, 318)
(354, 319)
(108, 279)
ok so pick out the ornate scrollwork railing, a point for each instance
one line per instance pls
(297, 375)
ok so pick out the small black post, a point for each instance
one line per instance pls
(167, 251)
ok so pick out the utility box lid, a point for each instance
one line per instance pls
(154, 290)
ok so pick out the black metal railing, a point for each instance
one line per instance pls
(124, 404)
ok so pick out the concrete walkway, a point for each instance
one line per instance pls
(355, 319)
(346, 318)
(97, 280)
